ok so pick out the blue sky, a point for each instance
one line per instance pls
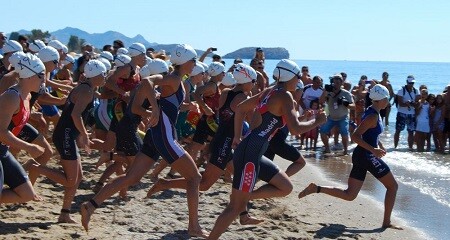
(320, 30)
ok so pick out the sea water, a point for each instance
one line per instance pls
(423, 198)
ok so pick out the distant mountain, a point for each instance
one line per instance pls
(96, 39)
(249, 53)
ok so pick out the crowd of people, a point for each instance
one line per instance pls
(144, 110)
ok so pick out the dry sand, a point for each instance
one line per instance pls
(165, 215)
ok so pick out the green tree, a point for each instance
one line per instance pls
(14, 36)
(38, 34)
(73, 44)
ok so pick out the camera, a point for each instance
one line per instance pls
(329, 87)
(213, 49)
(343, 101)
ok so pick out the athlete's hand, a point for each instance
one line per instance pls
(193, 106)
(85, 142)
(378, 152)
(236, 142)
(154, 118)
(35, 150)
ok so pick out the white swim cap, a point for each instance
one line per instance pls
(215, 68)
(107, 55)
(228, 80)
(378, 92)
(94, 68)
(136, 49)
(29, 65)
(56, 44)
(106, 63)
(11, 46)
(68, 59)
(286, 70)
(47, 54)
(122, 51)
(243, 73)
(198, 68)
(121, 60)
(182, 54)
(16, 57)
(158, 66)
(36, 45)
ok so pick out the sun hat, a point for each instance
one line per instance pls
(106, 63)
(243, 73)
(107, 55)
(11, 46)
(215, 68)
(121, 60)
(94, 68)
(198, 68)
(286, 70)
(36, 45)
(158, 66)
(48, 53)
(228, 80)
(182, 54)
(136, 49)
(29, 65)
(68, 59)
(378, 92)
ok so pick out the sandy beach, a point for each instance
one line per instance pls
(164, 216)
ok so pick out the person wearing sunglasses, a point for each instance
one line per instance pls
(160, 140)
(70, 134)
(15, 114)
(270, 110)
(262, 81)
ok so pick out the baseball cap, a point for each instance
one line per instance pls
(286, 70)
(29, 65)
(258, 49)
(410, 79)
(121, 60)
(337, 75)
(215, 68)
(136, 49)
(11, 46)
(106, 63)
(158, 66)
(243, 73)
(228, 80)
(198, 68)
(107, 55)
(47, 54)
(94, 68)
(68, 59)
(36, 45)
(182, 54)
(378, 92)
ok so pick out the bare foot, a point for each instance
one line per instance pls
(198, 233)
(312, 188)
(248, 220)
(30, 164)
(86, 210)
(65, 218)
(392, 226)
(37, 198)
(156, 187)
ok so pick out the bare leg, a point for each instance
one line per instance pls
(140, 166)
(296, 166)
(21, 194)
(43, 159)
(70, 190)
(324, 137)
(389, 200)
(345, 144)
(410, 139)
(185, 165)
(396, 138)
(238, 203)
(349, 194)
(279, 186)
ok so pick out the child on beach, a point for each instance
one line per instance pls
(312, 134)
(367, 157)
